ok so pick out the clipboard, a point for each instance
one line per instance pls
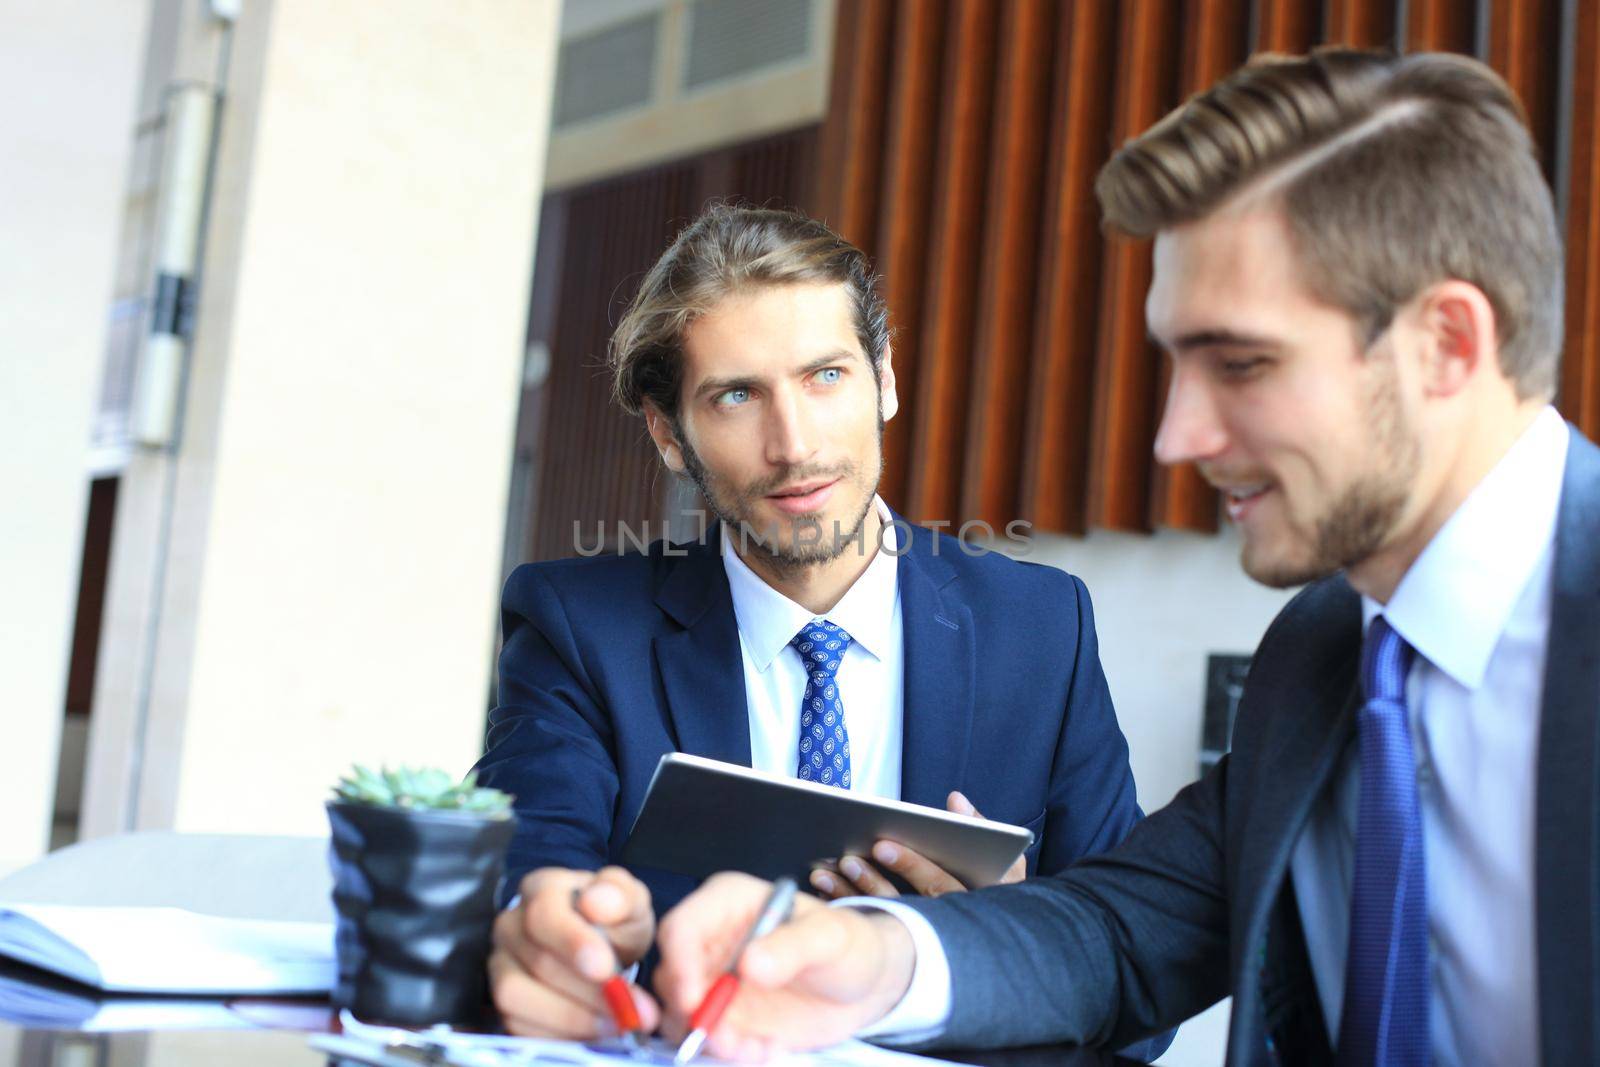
(701, 816)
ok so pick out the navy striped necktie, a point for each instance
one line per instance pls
(1386, 973)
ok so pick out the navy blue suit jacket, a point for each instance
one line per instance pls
(610, 662)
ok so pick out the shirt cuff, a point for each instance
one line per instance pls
(924, 1011)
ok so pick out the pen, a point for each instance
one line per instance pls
(707, 1015)
(618, 998)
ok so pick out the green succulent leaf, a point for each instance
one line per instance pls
(421, 789)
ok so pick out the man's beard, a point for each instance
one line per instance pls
(1358, 523)
(736, 510)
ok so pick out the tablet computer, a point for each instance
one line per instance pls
(701, 816)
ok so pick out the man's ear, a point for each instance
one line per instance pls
(1458, 328)
(665, 440)
(888, 399)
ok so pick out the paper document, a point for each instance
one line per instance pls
(366, 1043)
(169, 950)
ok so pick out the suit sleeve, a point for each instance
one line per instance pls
(550, 741)
(1092, 803)
(1119, 947)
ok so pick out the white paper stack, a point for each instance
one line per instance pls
(169, 950)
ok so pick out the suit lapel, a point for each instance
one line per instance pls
(701, 668)
(1306, 684)
(940, 665)
(1566, 841)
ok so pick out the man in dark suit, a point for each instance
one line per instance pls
(1358, 280)
(757, 351)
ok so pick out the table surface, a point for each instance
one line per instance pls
(256, 1032)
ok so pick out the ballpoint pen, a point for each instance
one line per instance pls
(619, 999)
(707, 1015)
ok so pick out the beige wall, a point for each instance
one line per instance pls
(69, 70)
(338, 499)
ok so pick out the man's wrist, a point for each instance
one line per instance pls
(915, 972)
(899, 962)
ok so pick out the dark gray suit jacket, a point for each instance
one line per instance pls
(1198, 903)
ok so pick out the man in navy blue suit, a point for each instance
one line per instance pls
(757, 352)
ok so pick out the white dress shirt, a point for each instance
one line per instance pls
(871, 677)
(1476, 607)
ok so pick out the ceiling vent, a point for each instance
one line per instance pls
(732, 38)
(607, 72)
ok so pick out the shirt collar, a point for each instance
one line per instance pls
(768, 620)
(1454, 602)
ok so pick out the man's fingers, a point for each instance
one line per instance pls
(925, 876)
(814, 938)
(620, 903)
(957, 802)
(1016, 872)
(553, 924)
(697, 937)
(531, 1009)
(829, 884)
(865, 877)
(614, 897)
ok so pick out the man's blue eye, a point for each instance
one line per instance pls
(829, 375)
(733, 397)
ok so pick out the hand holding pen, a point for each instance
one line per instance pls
(808, 983)
(780, 902)
(554, 971)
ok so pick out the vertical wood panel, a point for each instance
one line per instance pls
(907, 201)
(995, 411)
(1580, 378)
(956, 215)
(1125, 374)
(1056, 448)
(1288, 26)
(1360, 23)
(852, 143)
(1522, 35)
(1440, 26)
(933, 484)
(1218, 43)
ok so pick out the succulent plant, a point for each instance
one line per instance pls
(421, 789)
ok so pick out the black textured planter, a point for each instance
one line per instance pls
(415, 896)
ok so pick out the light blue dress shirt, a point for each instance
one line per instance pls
(1476, 607)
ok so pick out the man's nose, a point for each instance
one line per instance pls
(790, 435)
(1191, 427)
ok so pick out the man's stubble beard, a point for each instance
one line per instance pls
(793, 557)
(1362, 519)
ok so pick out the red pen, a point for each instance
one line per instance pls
(705, 1018)
(618, 997)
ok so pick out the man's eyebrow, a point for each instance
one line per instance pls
(829, 359)
(712, 386)
(721, 385)
(1213, 338)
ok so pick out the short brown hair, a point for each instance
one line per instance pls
(1396, 171)
(730, 249)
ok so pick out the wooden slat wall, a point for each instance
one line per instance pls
(1027, 386)
(1580, 385)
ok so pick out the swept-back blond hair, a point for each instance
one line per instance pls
(730, 249)
(1394, 172)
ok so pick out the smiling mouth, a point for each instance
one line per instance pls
(1240, 499)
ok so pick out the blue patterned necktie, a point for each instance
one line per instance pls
(1386, 974)
(824, 743)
